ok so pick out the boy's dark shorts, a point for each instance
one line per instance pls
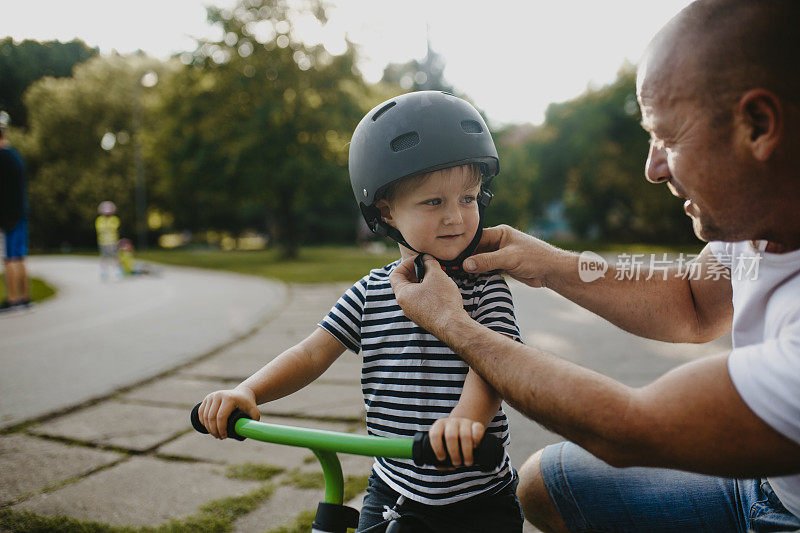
(17, 241)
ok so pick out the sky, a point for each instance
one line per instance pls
(511, 57)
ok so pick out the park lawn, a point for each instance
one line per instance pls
(314, 264)
(322, 264)
(38, 288)
(602, 247)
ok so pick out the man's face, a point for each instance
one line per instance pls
(439, 216)
(697, 161)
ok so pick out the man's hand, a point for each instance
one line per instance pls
(524, 258)
(456, 437)
(434, 302)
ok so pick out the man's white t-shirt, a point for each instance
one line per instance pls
(764, 364)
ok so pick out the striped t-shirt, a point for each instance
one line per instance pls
(410, 378)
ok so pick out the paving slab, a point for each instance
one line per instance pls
(142, 491)
(268, 342)
(91, 348)
(238, 363)
(30, 464)
(112, 423)
(352, 465)
(229, 451)
(177, 390)
(320, 400)
(346, 369)
(297, 324)
(282, 507)
(230, 365)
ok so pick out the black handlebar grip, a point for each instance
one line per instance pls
(487, 455)
(231, 427)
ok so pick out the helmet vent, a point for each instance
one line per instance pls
(471, 126)
(383, 110)
(405, 141)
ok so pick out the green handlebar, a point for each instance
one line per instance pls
(319, 439)
(325, 444)
(489, 453)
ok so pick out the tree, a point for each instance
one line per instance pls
(255, 130)
(23, 63)
(70, 172)
(590, 153)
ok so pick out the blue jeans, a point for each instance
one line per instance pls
(593, 496)
(497, 513)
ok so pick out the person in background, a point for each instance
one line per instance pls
(13, 221)
(107, 227)
(128, 264)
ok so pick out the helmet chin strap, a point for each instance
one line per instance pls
(452, 267)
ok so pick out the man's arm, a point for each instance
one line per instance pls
(691, 418)
(675, 307)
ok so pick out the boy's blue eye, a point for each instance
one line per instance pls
(469, 199)
(433, 201)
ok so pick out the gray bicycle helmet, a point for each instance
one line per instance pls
(412, 134)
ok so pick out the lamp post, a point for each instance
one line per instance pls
(148, 79)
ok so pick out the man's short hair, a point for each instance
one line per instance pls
(739, 45)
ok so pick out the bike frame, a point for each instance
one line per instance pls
(332, 515)
(325, 444)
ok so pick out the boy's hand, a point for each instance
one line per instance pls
(458, 436)
(217, 407)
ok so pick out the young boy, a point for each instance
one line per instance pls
(418, 166)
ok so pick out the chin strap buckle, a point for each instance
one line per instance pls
(485, 197)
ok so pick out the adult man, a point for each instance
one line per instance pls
(719, 90)
(13, 221)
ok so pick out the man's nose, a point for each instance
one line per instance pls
(656, 169)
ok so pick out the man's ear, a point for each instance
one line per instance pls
(386, 211)
(762, 116)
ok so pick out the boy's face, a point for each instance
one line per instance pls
(439, 216)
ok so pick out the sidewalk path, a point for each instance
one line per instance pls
(96, 337)
(132, 460)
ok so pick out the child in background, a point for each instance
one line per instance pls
(419, 167)
(128, 264)
(125, 256)
(107, 227)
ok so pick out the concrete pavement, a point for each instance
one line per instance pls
(131, 459)
(96, 337)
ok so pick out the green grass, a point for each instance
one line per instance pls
(39, 289)
(315, 264)
(305, 480)
(301, 524)
(354, 485)
(216, 516)
(322, 264)
(630, 248)
(252, 471)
